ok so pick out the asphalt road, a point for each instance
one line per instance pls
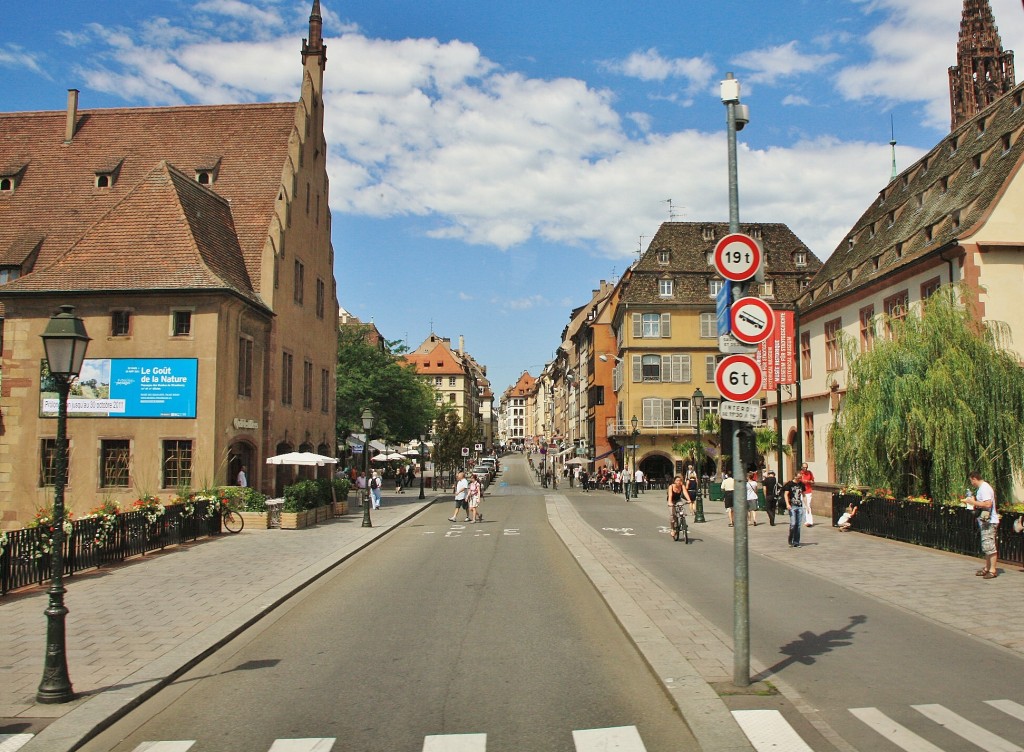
(838, 648)
(439, 629)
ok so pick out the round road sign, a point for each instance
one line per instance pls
(752, 320)
(737, 257)
(738, 378)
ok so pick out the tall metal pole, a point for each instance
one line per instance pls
(56, 684)
(741, 571)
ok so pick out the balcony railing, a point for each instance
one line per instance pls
(667, 428)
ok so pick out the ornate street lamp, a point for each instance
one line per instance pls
(423, 462)
(367, 426)
(697, 402)
(636, 433)
(65, 341)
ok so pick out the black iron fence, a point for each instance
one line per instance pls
(933, 525)
(95, 541)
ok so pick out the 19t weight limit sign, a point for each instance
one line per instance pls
(738, 378)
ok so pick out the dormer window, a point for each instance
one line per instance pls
(665, 288)
(9, 274)
(204, 177)
(103, 180)
(755, 233)
(106, 173)
(710, 258)
(708, 233)
(7, 185)
(800, 258)
(207, 169)
(1006, 142)
(663, 257)
(10, 176)
(976, 162)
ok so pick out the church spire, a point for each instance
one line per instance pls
(315, 44)
(983, 71)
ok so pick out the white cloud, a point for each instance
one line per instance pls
(795, 100)
(650, 65)
(15, 56)
(769, 64)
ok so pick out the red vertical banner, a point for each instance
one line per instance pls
(775, 355)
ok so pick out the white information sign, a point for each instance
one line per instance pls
(746, 412)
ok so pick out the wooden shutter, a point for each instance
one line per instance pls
(638, 325)
(638, 371)
(666, 412)
(666, 368)
(666, 325)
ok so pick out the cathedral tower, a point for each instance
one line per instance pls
(983, 70)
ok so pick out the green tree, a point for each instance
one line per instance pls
(767, 440)
(450, 436)
(939, 398)
(402, 401)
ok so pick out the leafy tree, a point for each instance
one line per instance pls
(450, 435)
(941, 397)
(402, 401)
(767, 440)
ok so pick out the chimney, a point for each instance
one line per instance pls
(462, 345)
(72, 121)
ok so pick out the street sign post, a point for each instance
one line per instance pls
(745, 412)
(738, 378)
(752, 320)
(737, 257)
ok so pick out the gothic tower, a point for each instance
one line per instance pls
(983, 71)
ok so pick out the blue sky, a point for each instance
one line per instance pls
(490, 162)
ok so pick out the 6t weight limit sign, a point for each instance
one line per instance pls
(738, 378)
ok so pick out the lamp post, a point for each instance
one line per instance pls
(636, 432)
(65, 341)
(367, 426)
(423, 463)
(697, 401)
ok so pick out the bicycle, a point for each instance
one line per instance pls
(232, 521)
(679, 525)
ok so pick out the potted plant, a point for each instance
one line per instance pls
(254, 509)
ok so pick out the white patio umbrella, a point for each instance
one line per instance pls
(301, 458)
(576, 461)
(387, 457)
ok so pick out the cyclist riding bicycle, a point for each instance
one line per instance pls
(677, 495)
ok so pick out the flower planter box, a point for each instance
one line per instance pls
(340, 508)
(297, 520)
(255, 520)
(323, 513)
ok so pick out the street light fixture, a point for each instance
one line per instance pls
(65, 341)
(367, 426)
(697, 401)
(423, 463)
(636, 432)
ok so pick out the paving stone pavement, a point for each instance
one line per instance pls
(132, 628)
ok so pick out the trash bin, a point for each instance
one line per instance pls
(715, 492)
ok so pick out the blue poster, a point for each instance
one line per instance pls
(127, 388)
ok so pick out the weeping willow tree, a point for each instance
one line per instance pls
(941, 397)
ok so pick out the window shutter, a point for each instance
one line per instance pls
(710, 363)
(666, 325)
(666, 368)
(650, 406)
(684, 369)
(638, 373)
(638, 325)
(666, 412)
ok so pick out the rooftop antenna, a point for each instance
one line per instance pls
(892, 145)
(640, 248)
(672, 215)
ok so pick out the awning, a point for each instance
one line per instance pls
(606, 454)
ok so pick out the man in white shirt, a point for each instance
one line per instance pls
(242, 480)
(461, 497)
(988, 521)
(639, 478)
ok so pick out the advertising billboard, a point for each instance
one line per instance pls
(126, 388)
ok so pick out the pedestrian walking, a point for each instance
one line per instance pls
(461, 497)
(692, 489)
(242, 480)
(807, 478)
(771, 488)
(983, 502)
(793, 495)
(475, 493)
(584, 480)
(728, 486)
(640, 480)
(375, 484)
(361, 487)
(752, 498)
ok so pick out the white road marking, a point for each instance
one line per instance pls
(620, 530)
(511, 531)
(899, 735)
(1009, 707)
(181, 746)
(965, 729)
(455, 743)
(12, 742)
(617, 738)
(323, 744)
(769, 730)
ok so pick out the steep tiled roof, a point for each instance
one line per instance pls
(689, 246)
(169, 232)
(942, 197)
(56, 195)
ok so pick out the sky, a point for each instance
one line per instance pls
(491, 162)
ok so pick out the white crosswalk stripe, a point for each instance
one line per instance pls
(769, 730)
(617, 739)
(965, 729)
(899, 735)
(13, 742)
(1009, 707)
(455, 743)
(303, 745)
(178, 746)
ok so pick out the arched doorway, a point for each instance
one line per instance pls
(657, 468)
(283, 474)
(241, 454)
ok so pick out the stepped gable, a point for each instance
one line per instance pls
(244, 146)
(690, 265)
(944, 196)
(168, 233)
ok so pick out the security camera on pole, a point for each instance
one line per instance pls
(738, 258)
